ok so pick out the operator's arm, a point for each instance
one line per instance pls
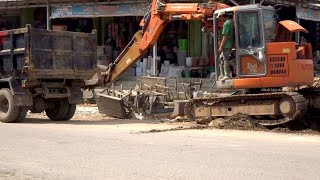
(226, 33)
(224, 40)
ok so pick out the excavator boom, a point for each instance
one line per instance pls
(153, 23)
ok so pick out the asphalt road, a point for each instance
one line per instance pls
(87, 151)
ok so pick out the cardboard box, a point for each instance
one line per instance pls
(59, 27)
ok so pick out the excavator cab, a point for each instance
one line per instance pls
(260, 60)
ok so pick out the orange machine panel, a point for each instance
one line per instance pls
(247, 83)
(251, 66)
(181, 8)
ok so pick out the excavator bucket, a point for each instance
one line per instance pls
(112, 106)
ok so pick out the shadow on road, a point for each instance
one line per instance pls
(88, 121)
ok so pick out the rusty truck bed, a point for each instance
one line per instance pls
(31, 54)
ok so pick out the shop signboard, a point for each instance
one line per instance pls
(308, 14)
(137, 9)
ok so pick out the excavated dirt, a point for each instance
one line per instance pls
(238, 121)
(316, 82)
(245, 122)
(315, 85)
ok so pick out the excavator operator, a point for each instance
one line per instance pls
(226, 45)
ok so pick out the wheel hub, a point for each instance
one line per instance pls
(4, 105)
(286, 107)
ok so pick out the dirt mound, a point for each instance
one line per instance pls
(237, 121)
(315, 85)
(316, 82)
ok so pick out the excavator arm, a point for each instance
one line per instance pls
(159, 15)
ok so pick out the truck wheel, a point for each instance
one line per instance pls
(71, 110)
(58, 111)
(8, 109)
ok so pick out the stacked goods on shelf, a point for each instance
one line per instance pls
(181, 56)
(144, 66)
(139, 68)
(149, 65)
(182, 52)
(183, 45)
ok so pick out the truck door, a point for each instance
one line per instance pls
(250, 43)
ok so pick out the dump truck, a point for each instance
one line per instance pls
(44, 70)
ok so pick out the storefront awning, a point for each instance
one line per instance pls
(308, 14)
(89, 11)
(19, 4)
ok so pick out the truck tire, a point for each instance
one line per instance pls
(9, 111)
(59, 110)
(71, 110)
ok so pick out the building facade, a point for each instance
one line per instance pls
(116, 22)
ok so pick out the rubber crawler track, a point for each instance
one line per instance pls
(297, 99)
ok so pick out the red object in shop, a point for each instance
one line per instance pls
(195, 62)
(3, 37)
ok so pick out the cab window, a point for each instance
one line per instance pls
(249, 30)
(269, 22)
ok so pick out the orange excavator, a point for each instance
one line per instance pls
(265, 60)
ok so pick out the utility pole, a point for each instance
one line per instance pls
(154, 61)
(48, 14)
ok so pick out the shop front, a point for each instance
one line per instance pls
(310, 19)
(182, 45)
(306, 13)
(117, 23)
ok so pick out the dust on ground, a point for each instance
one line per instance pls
(88, 114)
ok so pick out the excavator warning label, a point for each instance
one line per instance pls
(128, 61)
(286, 50)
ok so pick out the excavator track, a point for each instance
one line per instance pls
(285, 107)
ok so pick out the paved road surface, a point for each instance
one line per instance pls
(86, 151)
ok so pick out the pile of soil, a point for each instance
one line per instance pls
(315, 85)
(316, 82)
(237, 121)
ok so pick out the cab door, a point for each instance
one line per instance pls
(250, 43)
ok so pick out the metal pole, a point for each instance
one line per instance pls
(48, 14)
(154, 61)
(297, 35)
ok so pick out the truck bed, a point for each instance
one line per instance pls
(32, 54)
